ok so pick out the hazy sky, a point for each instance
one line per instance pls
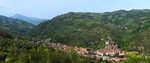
(51, 8)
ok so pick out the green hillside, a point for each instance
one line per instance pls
(14, 25)
(130, 29)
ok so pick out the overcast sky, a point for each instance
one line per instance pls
(51, 8)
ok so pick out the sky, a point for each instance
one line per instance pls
(52, 8)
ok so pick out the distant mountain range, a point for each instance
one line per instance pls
(14, 26)
(34, 21)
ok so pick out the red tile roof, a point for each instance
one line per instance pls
(109, 49)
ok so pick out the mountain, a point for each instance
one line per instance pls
(129, 29)
(15, 26)
(78, 29)
(34, 21)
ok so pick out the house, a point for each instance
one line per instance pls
(81, 51)
(106, 58)
(122, 53)
(106, 42)
(65, 47)
(117, 59)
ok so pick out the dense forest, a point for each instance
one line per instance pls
(129, 29)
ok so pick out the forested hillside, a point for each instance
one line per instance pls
(14, 49)
(130, 29)
(15, 26)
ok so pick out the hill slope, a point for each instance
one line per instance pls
(130, 29)
(73, 29)
(14, 25)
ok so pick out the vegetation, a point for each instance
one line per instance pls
(130, 29)
(21, 51)
(15, 26)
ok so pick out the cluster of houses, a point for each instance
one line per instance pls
(110, 52)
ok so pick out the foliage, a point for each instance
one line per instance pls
(130, 29)
(14, 26)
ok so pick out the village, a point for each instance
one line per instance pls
(110, 52)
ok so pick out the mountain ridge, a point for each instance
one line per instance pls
(34, 21)
(14, 25)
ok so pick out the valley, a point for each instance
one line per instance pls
(78, 37)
